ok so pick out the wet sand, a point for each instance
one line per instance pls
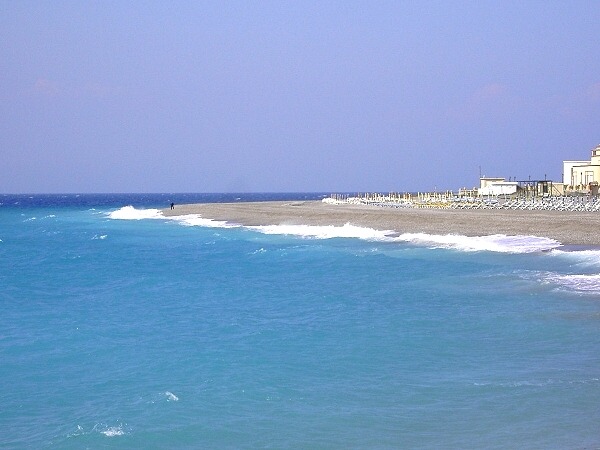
(569, 228)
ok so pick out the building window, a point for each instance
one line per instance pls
(589, 176)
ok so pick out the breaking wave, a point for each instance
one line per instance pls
(493, 243)
(325, 232)
(131, 213)
(574, 283)
(192, 220)
(579, 258)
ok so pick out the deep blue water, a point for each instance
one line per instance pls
(141, 200)
(159, 333)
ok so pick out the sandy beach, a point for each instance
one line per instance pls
(569, 228)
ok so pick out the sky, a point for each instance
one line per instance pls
(293, 96)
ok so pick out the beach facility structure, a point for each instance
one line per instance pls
(489, 186)
(583, 176)
(578, 191)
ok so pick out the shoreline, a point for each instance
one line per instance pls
(568, 228)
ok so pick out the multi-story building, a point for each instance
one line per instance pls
(582, 175)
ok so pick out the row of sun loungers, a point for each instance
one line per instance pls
(591, 204)
(551, 204)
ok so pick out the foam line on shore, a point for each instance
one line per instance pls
(131, 213)
(494, 243)
(195, 220)
(325, 231)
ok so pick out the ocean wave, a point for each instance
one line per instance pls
(113, 431)
(325, 231)
(195, 220)
(574, 283)
(160, 397)
(493, 243)
(131, 213)
(101, 428)
(171, 397)
(579, 258)
(192, 220)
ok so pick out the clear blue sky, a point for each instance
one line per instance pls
(282, 96)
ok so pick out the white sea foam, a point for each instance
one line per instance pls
(494, 243)
(325, 232)
(192, 220)
(171, 397)
(580, 258)
(102, 428)
(113, 431)
(131, 213)
(575, 283)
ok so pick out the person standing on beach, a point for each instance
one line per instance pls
(172, 205)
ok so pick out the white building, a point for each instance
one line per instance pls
(489, 186)
(578, 175)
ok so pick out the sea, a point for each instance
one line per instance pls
(122, 328)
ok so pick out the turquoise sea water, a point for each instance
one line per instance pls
(123, 329)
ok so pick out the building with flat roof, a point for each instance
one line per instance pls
(580, 175)
(496, 186)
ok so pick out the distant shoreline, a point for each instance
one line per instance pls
(568, 228)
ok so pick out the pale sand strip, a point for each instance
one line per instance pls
(569, 228)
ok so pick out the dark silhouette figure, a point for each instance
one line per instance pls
(172, 205)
